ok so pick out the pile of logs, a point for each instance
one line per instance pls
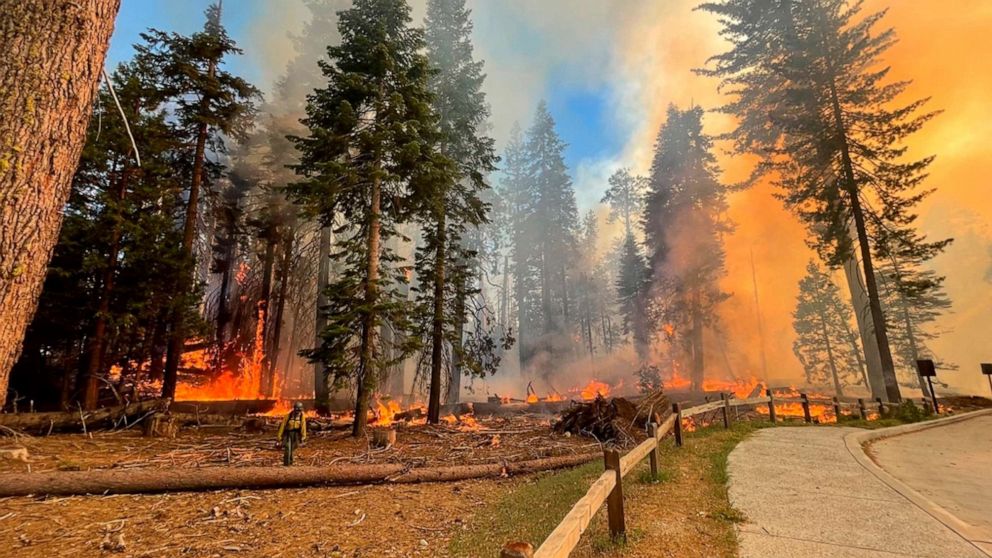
(616, 420)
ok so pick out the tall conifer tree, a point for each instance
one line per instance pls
(370, 157)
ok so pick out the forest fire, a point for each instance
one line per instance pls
(593, 389)
(819, 412)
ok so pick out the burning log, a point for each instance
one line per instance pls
(615, 420)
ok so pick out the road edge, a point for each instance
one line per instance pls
(856, 442)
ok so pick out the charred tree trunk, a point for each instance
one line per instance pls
(287, 262)
(366, 374)
(320, 387)
(437, 332)
(223, 312)
(53, 54)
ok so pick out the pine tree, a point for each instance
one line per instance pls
(210, 104)
(913, 296)
(117, 262)
(369, 156)
(812, 100)
(625, 197)
(684, 223)
(445, 259)
(632, 295)
(43, 125)
(519, 199)
(554, 224)
(823, 334)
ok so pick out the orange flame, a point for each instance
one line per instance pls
(594, 389)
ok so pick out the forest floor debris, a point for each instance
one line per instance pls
(495, 439)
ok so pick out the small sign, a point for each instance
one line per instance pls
(926, 368)
(987, 368)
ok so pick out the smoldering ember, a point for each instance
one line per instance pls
(480, 278)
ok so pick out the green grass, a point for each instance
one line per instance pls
(527, 513)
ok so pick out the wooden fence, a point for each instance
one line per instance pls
(608, 487)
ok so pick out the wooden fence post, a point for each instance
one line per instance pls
(654, 455)
(837, 414)
(771, 405)
(805, 402)
(726, 410)
(862, 409)
(677, 411)
(881, 406)
(614, 502)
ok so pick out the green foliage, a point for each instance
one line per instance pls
(632, 288)
(625, 197)
(370, 162)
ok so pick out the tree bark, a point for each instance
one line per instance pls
(437, 331)
(53, 54)
(366, 373)
(830, 355)
(135, 481)
(697, 345)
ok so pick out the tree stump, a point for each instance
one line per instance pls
(383, 438)
(517, 550)
(160, 425)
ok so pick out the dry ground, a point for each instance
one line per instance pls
(514, 438)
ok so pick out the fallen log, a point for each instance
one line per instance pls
(144, 481)
(75, 420)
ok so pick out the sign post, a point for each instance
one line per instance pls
(987, 370)
(928, 370)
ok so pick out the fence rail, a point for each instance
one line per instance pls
(608, 488)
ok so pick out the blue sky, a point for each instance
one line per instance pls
(581, 107)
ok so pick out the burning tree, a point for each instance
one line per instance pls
(825, 344)
(683, 224)
(812, 100)
(369, 157)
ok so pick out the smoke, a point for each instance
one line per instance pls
(642, 52)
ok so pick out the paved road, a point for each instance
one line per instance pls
(805, 495)
(950, 465)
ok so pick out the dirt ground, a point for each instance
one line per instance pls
(370, 521)
(496, 439)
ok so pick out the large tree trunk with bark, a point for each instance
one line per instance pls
(366, 370)
(53, 54)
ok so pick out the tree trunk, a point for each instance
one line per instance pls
(177, 337)
(830, 356)
(366, 375)
(223, 312)
(851, 185)
(455, 375)
(53, 54)
(287, 262)
(697, 344)
(437, 332)
(97, 342)
(320, 387)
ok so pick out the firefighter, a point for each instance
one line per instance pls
(292, 432)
